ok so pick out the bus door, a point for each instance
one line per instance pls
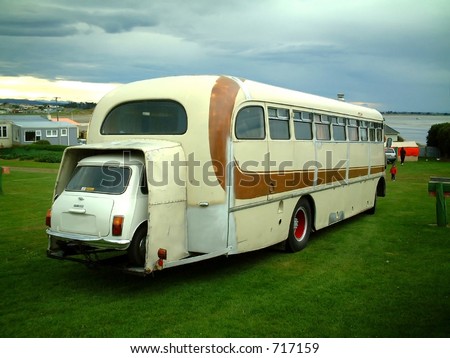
(331, 156)
(250, 154)
(248, 227)
(280, 161)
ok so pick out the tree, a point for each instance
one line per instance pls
(439, 136)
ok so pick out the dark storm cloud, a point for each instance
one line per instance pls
(373, 50)
(60, 19)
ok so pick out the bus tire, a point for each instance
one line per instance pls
(137, 248)
(300, 227)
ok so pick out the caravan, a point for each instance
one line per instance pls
(182, 169)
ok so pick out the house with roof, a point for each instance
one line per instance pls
(390, 133)
(66, 120)
(5, 134)
(27, 129)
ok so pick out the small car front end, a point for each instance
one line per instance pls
(390, 154)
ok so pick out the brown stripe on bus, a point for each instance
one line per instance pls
(223, 97)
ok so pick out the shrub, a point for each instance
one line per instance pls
(37, 152)
(42, 142)
(51, 157)
(47, 147)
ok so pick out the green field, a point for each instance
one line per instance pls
(386, 275)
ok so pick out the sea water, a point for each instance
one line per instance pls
(414, 127)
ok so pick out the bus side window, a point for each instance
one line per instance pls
(279, 123)
(303, 125)
(372, 132)
(250, 123)
(379, 128)
(322, 127)
(363, 131)
(338, 124)
(353, 130)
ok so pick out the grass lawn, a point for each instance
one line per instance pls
(27, 164)
(386, 275)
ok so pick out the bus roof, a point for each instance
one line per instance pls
(181, 88)
(269, 93)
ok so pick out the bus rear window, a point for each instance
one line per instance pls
(150, 117)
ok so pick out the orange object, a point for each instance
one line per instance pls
(410, 151)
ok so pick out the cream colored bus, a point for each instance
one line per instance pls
(230, 166)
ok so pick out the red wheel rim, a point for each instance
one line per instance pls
(300, 224)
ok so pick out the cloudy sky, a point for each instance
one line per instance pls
(388, 54)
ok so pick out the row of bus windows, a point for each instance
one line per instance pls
(306, 125)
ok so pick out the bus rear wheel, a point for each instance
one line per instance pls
(300, 227)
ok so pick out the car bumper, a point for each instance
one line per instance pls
(93, 241)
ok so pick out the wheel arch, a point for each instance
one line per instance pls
(381, 187)
(140, 226)
(312, 206)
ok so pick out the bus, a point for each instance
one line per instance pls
(229, 165)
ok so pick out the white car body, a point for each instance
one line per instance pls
(390, 154)
(96, 194)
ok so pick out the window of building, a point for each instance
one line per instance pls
(250, 123)
(322, 127)
(303, 125)
(32, 135)
(51, 133)
(279, 123)
(64, 132)
(3, 132)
